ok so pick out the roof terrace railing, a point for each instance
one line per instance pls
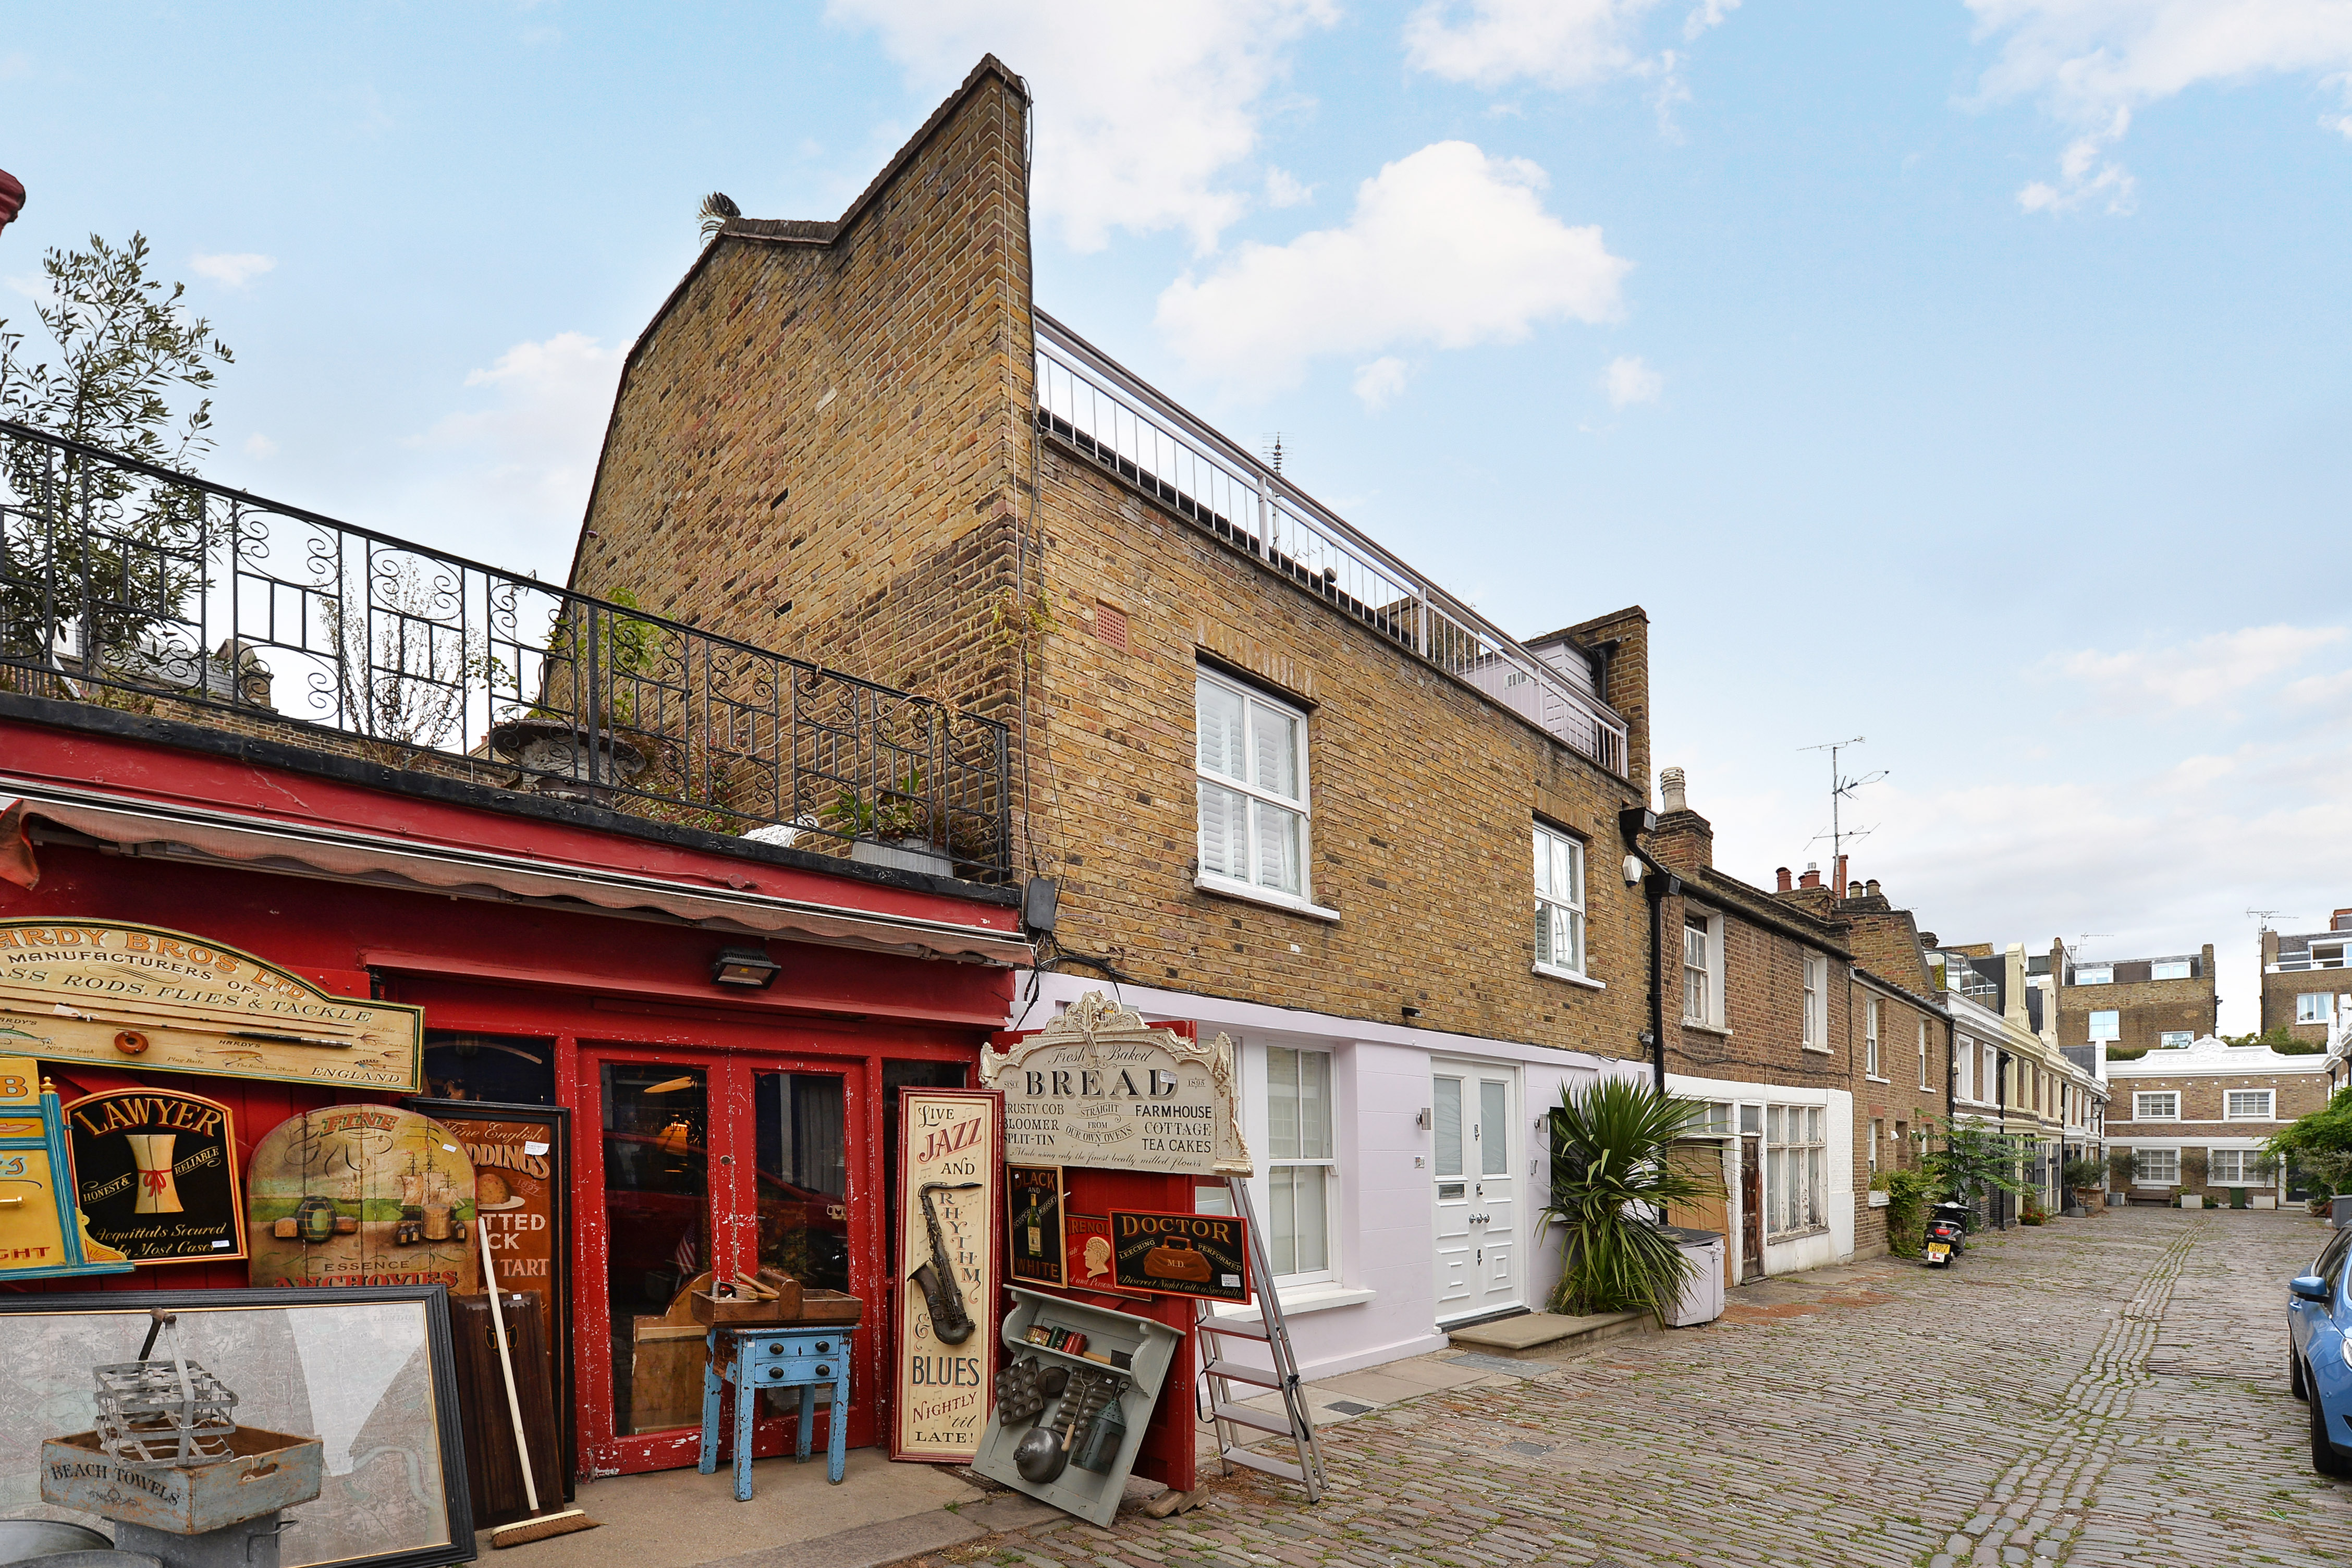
(129, 585)
(1087, 402)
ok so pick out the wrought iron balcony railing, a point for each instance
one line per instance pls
(131, 585)
(1088, 402)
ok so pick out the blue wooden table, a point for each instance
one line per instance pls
(790, 1356)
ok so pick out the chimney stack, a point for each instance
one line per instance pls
(1671, 796)
(2341, 921)
(1783, 874)
(1838, 880)
(1812, 876)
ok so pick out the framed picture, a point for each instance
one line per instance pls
(1199, 1255)
(522, 1199)
(1087, 1240)
(1033, 1198)
(157, 1170)
(951, 1168)
(368, 1371)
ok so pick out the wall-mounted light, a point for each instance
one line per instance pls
(749, 966)
(1424, 1120)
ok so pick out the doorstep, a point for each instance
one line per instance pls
(1550, 1336)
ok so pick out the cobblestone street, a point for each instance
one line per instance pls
(2099, 1392)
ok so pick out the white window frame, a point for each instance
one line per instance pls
(2229, 1100)
(2307, 1013)
(2172, 969)
(1816, 1001)
(1263, 1098)
(2142, 1176)
(2115, 1025)
(1551, 906)
(2142, 1099)
(1877, 1132)
(1803, 1164)
(2104, 975)
(1870, 1039)
(1257, 799)
(1709, 931)
(1964, 1068)
(1923, 1055)
(2243, 1159)
(2176, 1039)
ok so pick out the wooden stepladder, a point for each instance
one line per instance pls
(1225, 1412)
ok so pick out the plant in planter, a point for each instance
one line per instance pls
(2121, 1169)
(1908, 1195)
(1610, 1170)
(1976, 1162)
(2193, 1170)
(2082, 1179)
(2320, 1144)
(2032, 1213)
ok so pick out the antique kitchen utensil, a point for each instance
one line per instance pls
(1105, 1434)
(539, 1526)
(1039, 1456)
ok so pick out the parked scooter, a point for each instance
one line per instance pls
(1947, 1226)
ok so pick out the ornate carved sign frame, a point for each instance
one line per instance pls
(1099, 1088)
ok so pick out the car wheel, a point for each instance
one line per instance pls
(2294, 1383)
(2323, 1457)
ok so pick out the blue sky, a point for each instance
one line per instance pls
(1971, 376)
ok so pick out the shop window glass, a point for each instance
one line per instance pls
(656, 1122)
(511, 1069)
(1300, 1163)
(803, 1177)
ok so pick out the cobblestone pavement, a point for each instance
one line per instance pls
(2109, 1391)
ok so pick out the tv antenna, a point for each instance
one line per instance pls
(2266, 916)
(1842, 788)
(1271, 446)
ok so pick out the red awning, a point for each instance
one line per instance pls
(195, 832)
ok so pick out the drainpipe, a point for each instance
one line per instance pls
(2001, 1060)
(1657, 886)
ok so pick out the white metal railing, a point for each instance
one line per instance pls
(1089, 402)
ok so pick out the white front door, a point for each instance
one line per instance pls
(1475, 1118)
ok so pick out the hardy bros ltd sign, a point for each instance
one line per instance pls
(157, 1170)
(950, 1170)
(126, 995)
(1097, 1087)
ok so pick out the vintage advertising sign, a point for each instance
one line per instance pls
(1086, 1240)
(1032, 1197)
(1203, 1255)
(42, 1234)
(158, 1175)
(163, 1000)
(1097, 1087)
(362, 1195)
(950, 1166)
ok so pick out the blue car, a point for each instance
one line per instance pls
(2319, 1353)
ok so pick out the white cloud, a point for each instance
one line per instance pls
(1141, 111)
(260, 445)
(1561, 43)
(232, 271)
(1447, 248)
(33, 286)
(1710, 14)
(1631, 381)
(1283, 189)
(534, 451)
(1382, 381)
(2209, 670)
(2093, 62)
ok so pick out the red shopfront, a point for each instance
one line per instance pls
(559, 955)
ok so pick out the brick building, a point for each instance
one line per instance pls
(1288, 786)
(2133, 1004)
(2007, 1072)
(2213, 1103)
(2299, 993)
(1906, 1083)
(1767, 1035)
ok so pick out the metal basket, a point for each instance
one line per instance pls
(155, 1413)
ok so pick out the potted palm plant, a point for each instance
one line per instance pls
(1612, 1183)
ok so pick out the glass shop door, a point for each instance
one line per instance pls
(707, 1163)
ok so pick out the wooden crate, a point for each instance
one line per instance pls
(265, 1471)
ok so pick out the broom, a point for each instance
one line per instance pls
(539, 1526)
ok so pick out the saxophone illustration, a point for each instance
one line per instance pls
(937, 1278)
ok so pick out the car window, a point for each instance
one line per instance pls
(2330, 1265)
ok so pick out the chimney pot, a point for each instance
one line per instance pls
(1838, 880)
(1812, 876)
(1670, 795)
(1871, 887)
(1783, 874)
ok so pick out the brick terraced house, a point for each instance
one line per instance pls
(2133, 1004)
(2213, 1103)
(1286, 786)
(2302, 993)
(2007, 1074)
(1906, 1082)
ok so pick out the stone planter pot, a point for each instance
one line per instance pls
(2192, 1201)
(2263, 1200)
(560, 748)
(2118, 1200)
(904, 855)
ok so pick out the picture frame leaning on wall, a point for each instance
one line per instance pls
(368, 1370)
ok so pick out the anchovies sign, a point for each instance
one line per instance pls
(162, 1001)
(1100, 1088)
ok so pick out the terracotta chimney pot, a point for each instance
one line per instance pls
(1783, 874)
(1812, 876)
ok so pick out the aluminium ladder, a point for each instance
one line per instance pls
(1223, 1410)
